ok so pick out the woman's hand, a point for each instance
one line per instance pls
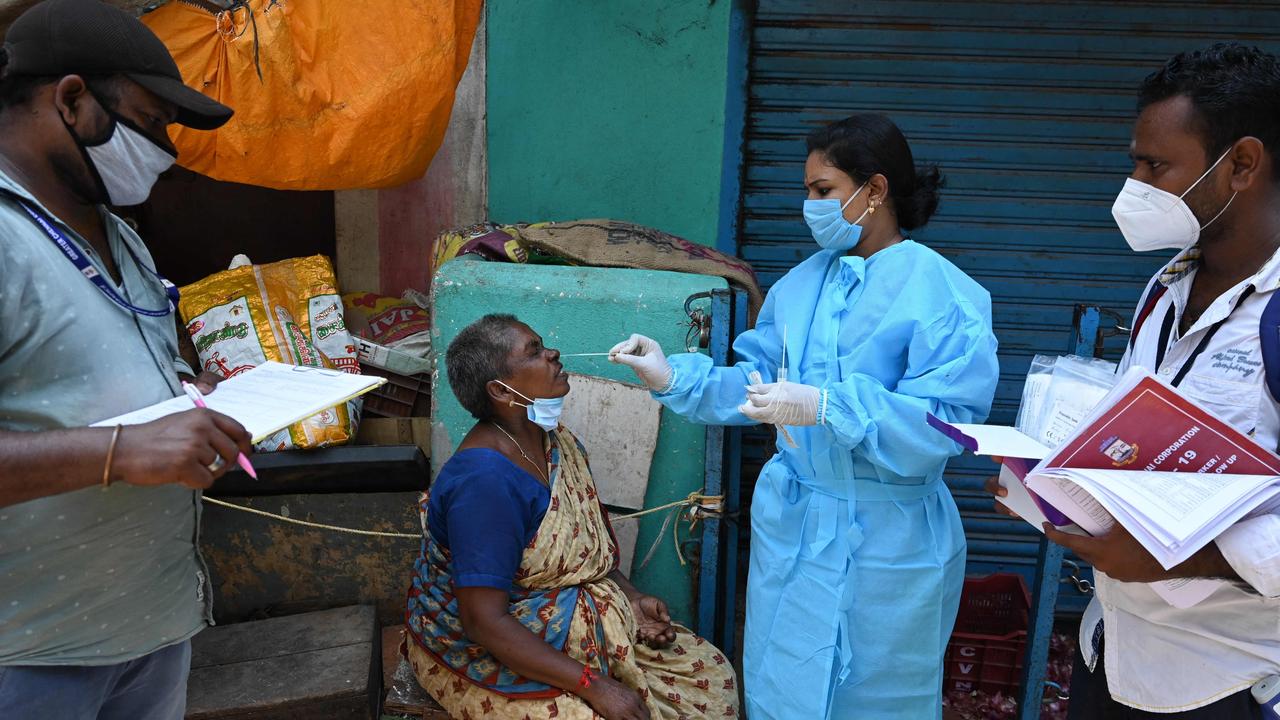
(644, 356)
(784, 403)
(613, 700)
(653, 619)
(653, 622)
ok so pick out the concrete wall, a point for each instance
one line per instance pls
(384, 236)
(608, 108)
(568, 109)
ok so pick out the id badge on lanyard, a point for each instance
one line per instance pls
(91, 273)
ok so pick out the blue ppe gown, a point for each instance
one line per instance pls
(857, 552)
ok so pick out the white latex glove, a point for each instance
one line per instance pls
(644, 356)
(784, 403)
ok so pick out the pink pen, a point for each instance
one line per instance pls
(193, 392)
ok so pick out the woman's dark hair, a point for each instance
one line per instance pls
(1234, 91)
(869, 144)
(477, 355)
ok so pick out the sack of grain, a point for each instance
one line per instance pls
(288, 311)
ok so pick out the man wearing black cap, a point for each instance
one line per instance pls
(101, 583)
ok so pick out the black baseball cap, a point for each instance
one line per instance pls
(89, 37)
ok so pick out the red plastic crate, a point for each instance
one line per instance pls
(986, 649)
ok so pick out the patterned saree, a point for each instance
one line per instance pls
(563, 596)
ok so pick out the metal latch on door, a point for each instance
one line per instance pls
(699, 324)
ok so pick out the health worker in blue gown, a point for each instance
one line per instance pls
(857, 552)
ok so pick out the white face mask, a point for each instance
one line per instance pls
(543, 412)
(128, 163)
(1152, 219)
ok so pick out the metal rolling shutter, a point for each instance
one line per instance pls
(1027, 108)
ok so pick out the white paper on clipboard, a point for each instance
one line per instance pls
(268, 398)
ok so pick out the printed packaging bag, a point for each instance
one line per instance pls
(289, 311)
(385, 320)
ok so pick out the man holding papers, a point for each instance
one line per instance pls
(101, 585)
(1203, 183)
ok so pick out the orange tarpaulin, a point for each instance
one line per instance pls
(351, 94)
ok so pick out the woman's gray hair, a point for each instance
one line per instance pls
(477, 355)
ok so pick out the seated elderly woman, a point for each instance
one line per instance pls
(517, 608)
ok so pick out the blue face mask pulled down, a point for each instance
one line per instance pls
(543, 412)
(826, 221)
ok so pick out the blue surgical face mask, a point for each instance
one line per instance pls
(543, 412)
(826, 221)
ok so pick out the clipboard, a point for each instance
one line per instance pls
(265, 399)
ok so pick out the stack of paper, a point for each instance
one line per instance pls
(268, 398)
(1018, 454)
(1166, 469)
(1196, 474)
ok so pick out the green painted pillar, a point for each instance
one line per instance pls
(608, 109)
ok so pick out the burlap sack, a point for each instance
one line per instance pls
(611, 243)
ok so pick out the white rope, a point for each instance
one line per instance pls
(707, 503)
(695, 506)
(318, 526)
(710, 503)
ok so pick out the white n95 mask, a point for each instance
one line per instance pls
(1152, 219)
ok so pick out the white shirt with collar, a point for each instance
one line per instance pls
(1164, 659)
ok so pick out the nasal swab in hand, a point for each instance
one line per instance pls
(584, 354)
(782, 369)
(757, 379)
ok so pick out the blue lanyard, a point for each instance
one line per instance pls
(87, 269)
